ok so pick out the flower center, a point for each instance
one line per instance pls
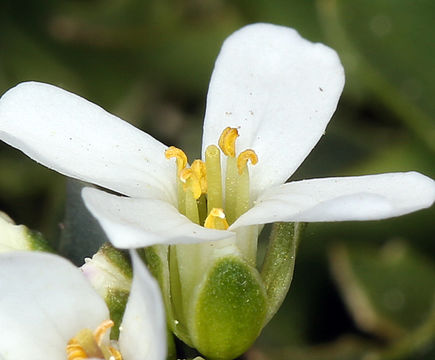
(87, 344)
(201, 196)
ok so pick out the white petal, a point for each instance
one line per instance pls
(280, 90)
(133, 223)
(368, 197)
(79, 139)
(44, 302)
(143, 334)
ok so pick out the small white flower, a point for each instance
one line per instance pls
(46, 301)
(278, 89)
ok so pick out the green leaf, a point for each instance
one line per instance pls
(390, 291)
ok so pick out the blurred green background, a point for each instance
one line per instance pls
(361, 290)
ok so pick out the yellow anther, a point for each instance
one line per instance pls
(87, 344)
(190, 182)
(216, 220)
(179, 154)
(75, 351)
(101, 330)
(198, 168)
(243, 158)
(115, 353)
(227, 141)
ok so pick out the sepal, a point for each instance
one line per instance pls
(279, 263)
(229, 309)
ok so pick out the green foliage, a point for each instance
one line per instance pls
(380, 286)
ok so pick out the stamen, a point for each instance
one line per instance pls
(191, 182)
(227, 141)
(216, 220)
(180, 156)
(231, 181)
(101, 330)
(75, 351)
(214, 177)
(243, 202)
(198, 168)
(243, 158)
(115, 353)
(83, 346)
(87, 344)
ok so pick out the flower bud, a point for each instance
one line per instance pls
(19, 237)
(110, 273)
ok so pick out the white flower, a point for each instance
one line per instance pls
(276, 88)
(45, 302)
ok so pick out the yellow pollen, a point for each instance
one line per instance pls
(243, 158)
(180, 156)
(191, 182)
(216, 220)
(227, 141)
(198, 168)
